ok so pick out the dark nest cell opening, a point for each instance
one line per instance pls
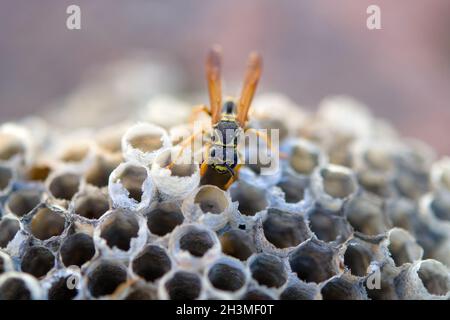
(342, 289)
(184, 286)
(105, 278)
(61, 291)
(177, 169)
(197, 242)
(46, 224)
(14, 289)
(211, 200)
(141, 294)
(237, 243)
(440, 206)
(435, 282)
(294, 191)
(91, 206)
(22, 202)
(146, 142)
(39, 172)
(76, 153)
(284, 229)
(251, 200)
(357, 258)
(77, 249)
(37, 261)
(337, 184)
(327, 226)
(162, 221)
(313, 262)
(256, 294)
(303, 161)
(119, 228)
(2, 265)
(8, 230)
(65, 186)
(297, 292)
(132, 179)
(366, 215)
(10, 146)
(98, 174)
(268, 270)
(226, 277)
(402, 249)
(152, 263)
(5, 177)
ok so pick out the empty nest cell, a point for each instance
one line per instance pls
(119, 228)
(91, 205)
(343, 288)
(105, 277)
(99, 172)
(304, 158)
(337, 183)
(211, 199)
(59, 290)
(6, 175)
(8, 230)
(284, 229)
(251, 199)
(268, 270)
(196, 241)
(15, 288)
(357, 258)
(435, 282)
(327, 226)
(183, 285)
(313, 261)
(403, 247)
(256, 294)
(77, 249)
(37, 261)
(237, 243)
(132, 179)
(152, 263)
(10, 146)
(365, 214)
(47, 223)
(162, 220)
(294, 189)
(24, 201)
(227, 276)
(64, 186)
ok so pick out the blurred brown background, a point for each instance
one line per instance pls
(311, 48)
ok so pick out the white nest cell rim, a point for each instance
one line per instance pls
(138, 140)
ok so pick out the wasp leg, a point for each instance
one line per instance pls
(188, 141)
(266, 141)
(204, 165)
(197, 111)
(203, 168)
(233, 178)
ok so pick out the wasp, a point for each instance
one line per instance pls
(229, 119)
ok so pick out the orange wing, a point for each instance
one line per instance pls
(250, 83)
(213, 78)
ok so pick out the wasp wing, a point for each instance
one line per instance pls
(251, 79)
(213, 78)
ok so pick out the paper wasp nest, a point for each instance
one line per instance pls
(354, 211)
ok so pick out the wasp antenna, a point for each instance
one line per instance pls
(213, 78)
(251, 79)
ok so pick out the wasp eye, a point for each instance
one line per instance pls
(213, 153)
(213, 138)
